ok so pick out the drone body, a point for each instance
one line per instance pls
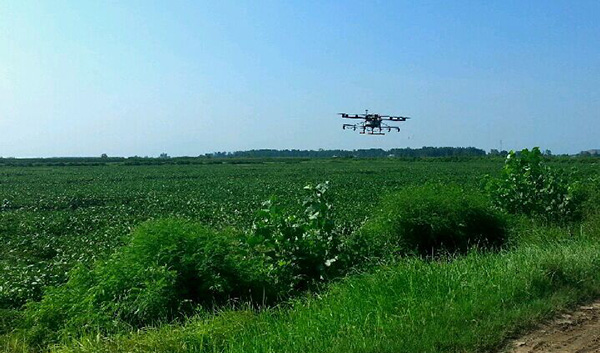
(372, 124)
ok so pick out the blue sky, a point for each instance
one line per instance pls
(81, 78)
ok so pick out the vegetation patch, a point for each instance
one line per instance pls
(428, 220)
(176, 285)
(471, 304)
(167, 270)
(528, 186)
(172, 268)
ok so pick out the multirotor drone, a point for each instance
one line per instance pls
(373, 124)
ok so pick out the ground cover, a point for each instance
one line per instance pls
(473, 304)
(52, 218)
(50, 232)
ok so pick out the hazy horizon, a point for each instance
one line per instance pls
(186, 78)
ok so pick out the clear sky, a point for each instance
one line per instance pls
(81, 78)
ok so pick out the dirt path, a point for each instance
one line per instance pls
(575, 332)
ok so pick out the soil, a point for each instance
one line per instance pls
(574, 332)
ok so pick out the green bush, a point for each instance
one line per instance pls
(591, 205)
(426, 221)
(8, 320)
(297, 250)
(167, 269)
(591, 225)
(528, 186)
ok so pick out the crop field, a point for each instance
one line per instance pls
(54, 217)
(57, 220)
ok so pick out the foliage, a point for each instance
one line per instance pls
(591, 205)
(55, 218)
(9, 319)
(167, 269)
(528, 186)
(297, 249)
(472, 304)
(426, 220)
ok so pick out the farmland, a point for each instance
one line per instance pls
(54, 218)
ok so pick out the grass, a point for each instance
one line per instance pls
(467, 304)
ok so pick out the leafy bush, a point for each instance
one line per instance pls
(297, 249)
(168, 268)
(591, 205)
(528, 186)
(8, 320)
(426, 220)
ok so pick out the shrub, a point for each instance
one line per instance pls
(297, 249)
(528, 186)
(591, 206)
(591, 226)
(427, 220)
(167, 269)
(9, 318)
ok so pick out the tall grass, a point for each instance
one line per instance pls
(470, 303)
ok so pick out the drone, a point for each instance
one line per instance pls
(373, 124)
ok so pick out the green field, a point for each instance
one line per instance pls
(54, 218)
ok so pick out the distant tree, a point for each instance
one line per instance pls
(547, 153)
(104, 156)
(164, 155)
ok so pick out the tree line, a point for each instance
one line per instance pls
(358, 153)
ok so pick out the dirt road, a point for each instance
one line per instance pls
(575, 332)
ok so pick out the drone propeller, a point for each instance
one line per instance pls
(352, 116)
(397, 118)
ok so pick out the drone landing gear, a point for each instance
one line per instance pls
(371, 132)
